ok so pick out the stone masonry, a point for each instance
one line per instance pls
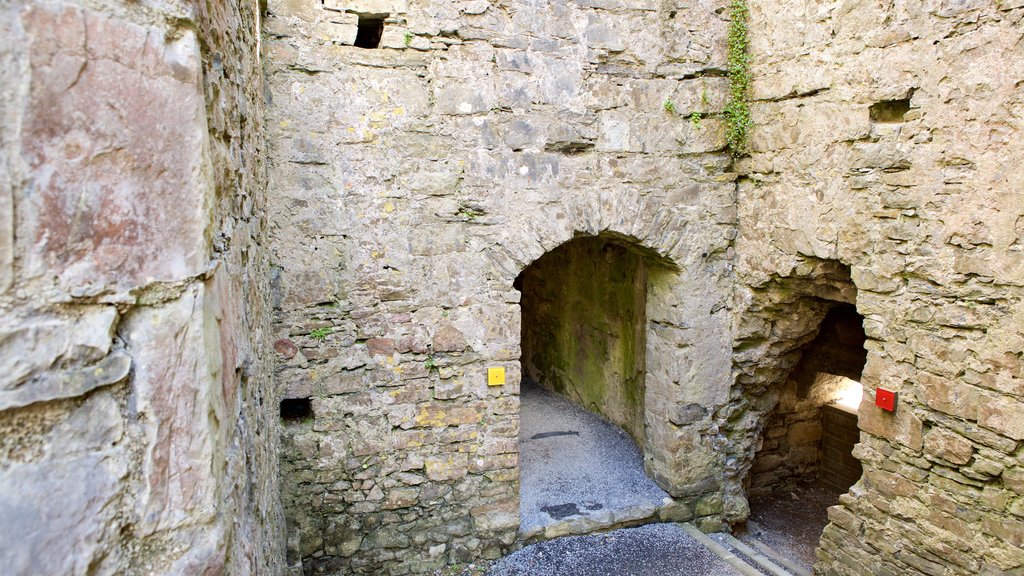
(134, 300)
(411, 185)
(215, 213)
(888, 139)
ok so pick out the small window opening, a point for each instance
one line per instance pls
(889, 111)
(295, 410)
(371, 28)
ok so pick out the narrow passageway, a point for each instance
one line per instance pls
(577, 468)
(806, 458)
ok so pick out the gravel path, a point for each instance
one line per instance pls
(651, 550)
(574, 463)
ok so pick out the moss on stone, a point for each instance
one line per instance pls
(584, 328)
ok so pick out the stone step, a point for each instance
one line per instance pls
(795, 567)
(723, 552)
(742, 549)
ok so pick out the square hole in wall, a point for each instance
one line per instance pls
(296, 409)
(371, 28)
(889, 111)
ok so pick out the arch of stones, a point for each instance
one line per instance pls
(209, 207)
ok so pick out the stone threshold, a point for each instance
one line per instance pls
(604, 521)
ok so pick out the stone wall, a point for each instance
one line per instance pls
(133, 428)
(888, 138)
(584, 329)
(410, 186)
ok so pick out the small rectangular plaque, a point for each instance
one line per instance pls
(496, 376)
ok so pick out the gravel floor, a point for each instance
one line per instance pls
(651, 550)
(791, 522)
(574, 463)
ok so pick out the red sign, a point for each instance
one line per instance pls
(885, 399)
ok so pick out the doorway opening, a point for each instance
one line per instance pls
(806, 457)
(582, 405)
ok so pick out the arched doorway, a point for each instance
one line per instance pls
(584, 348)
(805, 461)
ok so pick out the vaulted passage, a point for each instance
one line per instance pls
(583, 349)
(583, 335)
(806, 461)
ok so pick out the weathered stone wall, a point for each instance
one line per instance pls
(923, 197)
(411, 184)
(584, 328)
(133, 305)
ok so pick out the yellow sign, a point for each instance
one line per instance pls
(495, 376)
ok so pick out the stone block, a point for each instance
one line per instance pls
(368, 6)
(339, 29)
(448, 339)
(176, 377)
(497, 516)
(400, 498)
(948, 446)
(901, 426)
(41, 345)
(306, 10)
(950, 397)
(1003, 415)
(66, 504)
(449, 414)
(114, 140)
(450, 466)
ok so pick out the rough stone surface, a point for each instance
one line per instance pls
(883, 142)
(134, 292)
(412, 185)
(244, 175)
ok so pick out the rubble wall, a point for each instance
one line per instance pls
(133, 292)
(412, 183)
(887, 139)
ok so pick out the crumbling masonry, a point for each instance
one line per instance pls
(256, 260)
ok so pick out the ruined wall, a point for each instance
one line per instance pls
(584, 328)
(412, 183)
(922, 198)
(133, 306)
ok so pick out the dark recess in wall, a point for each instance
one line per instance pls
(889, 111)
(296, 409)
(371, 28)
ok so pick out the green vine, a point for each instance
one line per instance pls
(737, 111)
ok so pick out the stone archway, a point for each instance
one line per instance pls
(583, 398)
(686, 353)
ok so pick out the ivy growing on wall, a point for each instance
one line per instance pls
(737, 111)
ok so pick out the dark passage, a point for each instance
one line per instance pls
(583, 327)
(370, 30)
(806, 461)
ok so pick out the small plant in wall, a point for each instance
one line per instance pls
(669, 106)
(430, 363)
(695, 120)
(469, 213)
(321, 334)
(408, 38)
(737, 111)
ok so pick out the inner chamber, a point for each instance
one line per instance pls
(584, 328)
(806, 457)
